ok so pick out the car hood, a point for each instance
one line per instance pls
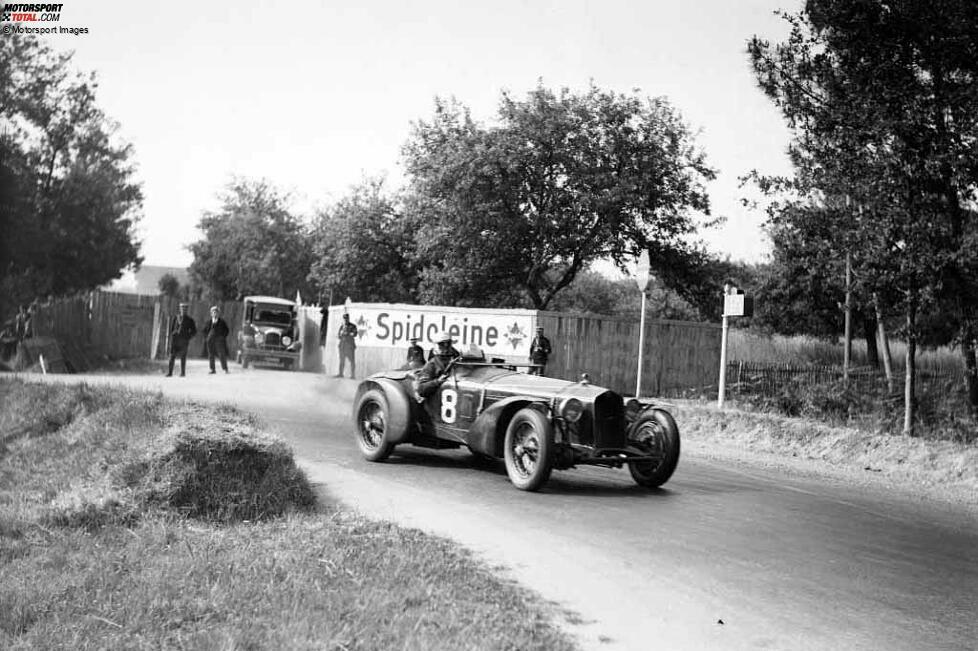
(541, 387)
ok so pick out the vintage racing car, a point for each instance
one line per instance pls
(536, 424)
(268, 332)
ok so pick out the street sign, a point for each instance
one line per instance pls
(642, 272)
(738, 305)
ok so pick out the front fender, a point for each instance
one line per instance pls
(488, 431)
(398, 406)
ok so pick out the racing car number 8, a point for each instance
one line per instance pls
(449, 400)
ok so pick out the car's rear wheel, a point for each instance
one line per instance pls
(372, 425)
(656, 435)
(529, 449)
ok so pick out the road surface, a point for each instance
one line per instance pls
(726, 556)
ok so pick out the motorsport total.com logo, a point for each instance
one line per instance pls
(31, 13)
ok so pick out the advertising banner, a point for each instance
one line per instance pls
(502, 333)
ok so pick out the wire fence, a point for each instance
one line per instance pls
(759, 378)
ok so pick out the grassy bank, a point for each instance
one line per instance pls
(127, 521)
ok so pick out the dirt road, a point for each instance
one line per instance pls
(727, 556)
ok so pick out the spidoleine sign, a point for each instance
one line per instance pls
(496, 333)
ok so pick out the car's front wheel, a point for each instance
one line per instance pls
(655, 435)
(529, 449)
(372, 426)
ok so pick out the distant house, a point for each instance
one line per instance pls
(147, 279)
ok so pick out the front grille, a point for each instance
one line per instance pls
(273, 340)
(609, 421)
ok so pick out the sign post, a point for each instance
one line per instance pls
(642, 277)
(734, 304)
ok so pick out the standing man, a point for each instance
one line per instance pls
(415, 354)
(539, 352)
(348, 346)
(182, 330)
(215, 338)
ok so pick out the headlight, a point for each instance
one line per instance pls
(259, 337)
(286, 340)
(572, 410)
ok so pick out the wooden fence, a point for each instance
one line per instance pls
(114, 325)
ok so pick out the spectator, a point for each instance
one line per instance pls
(539, 352)
(182, 330)
(415, 354)
(215, 338)
(348, 346)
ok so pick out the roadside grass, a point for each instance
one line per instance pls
(129, 521)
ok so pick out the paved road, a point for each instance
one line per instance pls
(785, 562)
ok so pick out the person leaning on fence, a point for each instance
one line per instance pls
(348, 346)
(215, 338)
(539, 353)
(182, 330)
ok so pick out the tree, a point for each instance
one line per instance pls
(363, 248)
(69, 204)
(881, 97)
(591, 292)
(513, 212)
(252, 245)
(169, 285)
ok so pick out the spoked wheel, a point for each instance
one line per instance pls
(529, 449)
(372, 426)
(656, 435)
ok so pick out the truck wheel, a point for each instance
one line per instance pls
(529, 449)
(655, 434)
(372, 425)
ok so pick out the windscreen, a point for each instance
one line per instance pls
(276, 315)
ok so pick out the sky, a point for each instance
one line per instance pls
(317, 96)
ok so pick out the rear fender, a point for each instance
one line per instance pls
(488, 431)
(398, 405)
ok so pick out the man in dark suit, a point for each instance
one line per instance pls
(215, 337)
(182, 330)
(539, 353)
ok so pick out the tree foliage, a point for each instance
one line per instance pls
(881, 95)
(516, 210)
(253, 244)
(68, 201)
(363, 247)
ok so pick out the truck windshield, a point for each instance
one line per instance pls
(277, 316)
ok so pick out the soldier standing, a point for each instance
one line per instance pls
(348, 346)
(539, 352)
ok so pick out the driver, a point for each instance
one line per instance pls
(435, 372)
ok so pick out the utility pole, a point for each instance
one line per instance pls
(847, 349)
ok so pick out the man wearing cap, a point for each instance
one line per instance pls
(182, 330)
(348, 346)
(215, 336)
(415, 354)
(539, 352)
(435, 372)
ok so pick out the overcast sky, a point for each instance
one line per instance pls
(316, 95)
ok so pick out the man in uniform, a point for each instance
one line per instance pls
(436, 371)
(539, 352)
(415, 354)
(182, 330)
(348, 346)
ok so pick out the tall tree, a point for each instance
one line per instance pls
(68, 202)
(363, 247)
(881, 94)
(252, 245)
(561, 180)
